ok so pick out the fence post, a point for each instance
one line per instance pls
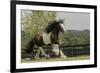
(72, 51)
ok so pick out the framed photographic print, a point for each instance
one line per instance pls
(52, 36)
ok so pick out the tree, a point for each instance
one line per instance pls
(33, 21)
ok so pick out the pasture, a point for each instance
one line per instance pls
(82, 57)
(72, 52)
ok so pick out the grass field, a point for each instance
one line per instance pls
(82, 57)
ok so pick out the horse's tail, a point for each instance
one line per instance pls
(30, 46)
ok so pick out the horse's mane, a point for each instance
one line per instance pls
(51, 26)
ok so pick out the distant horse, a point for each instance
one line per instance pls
(50, 36)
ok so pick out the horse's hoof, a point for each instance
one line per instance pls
(27, 59)
(47, 56)
(36, 58)
(63, 56)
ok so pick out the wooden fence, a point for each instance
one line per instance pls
(70, 50)
(74, 50)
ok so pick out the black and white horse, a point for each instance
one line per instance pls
(50, 36)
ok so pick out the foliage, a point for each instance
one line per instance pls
(36, 21)
(76, 37)
(33, 22)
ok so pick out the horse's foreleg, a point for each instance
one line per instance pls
(57, 51)
(62, 54)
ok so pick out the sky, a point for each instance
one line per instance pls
(75, 20)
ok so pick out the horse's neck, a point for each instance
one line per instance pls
(55, 33)
(55, 37)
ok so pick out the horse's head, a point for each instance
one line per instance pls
(61, 25)
(55, 26)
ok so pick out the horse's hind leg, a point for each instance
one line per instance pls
(44, 53)
(37, 54)
(41, 51)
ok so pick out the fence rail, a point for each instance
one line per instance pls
(74, 50)
(79, 45)
(69, 50)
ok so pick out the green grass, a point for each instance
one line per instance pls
(82, 57)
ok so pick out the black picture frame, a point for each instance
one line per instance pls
(13, 35)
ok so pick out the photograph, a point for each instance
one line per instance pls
(52, 36)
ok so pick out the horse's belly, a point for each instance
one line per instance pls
(46, 38)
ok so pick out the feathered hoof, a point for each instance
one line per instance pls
(64, 56)
(47, 56)
(27, 59)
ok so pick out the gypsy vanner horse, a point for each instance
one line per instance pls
(50, 36)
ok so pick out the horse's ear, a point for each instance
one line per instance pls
(61, 21)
